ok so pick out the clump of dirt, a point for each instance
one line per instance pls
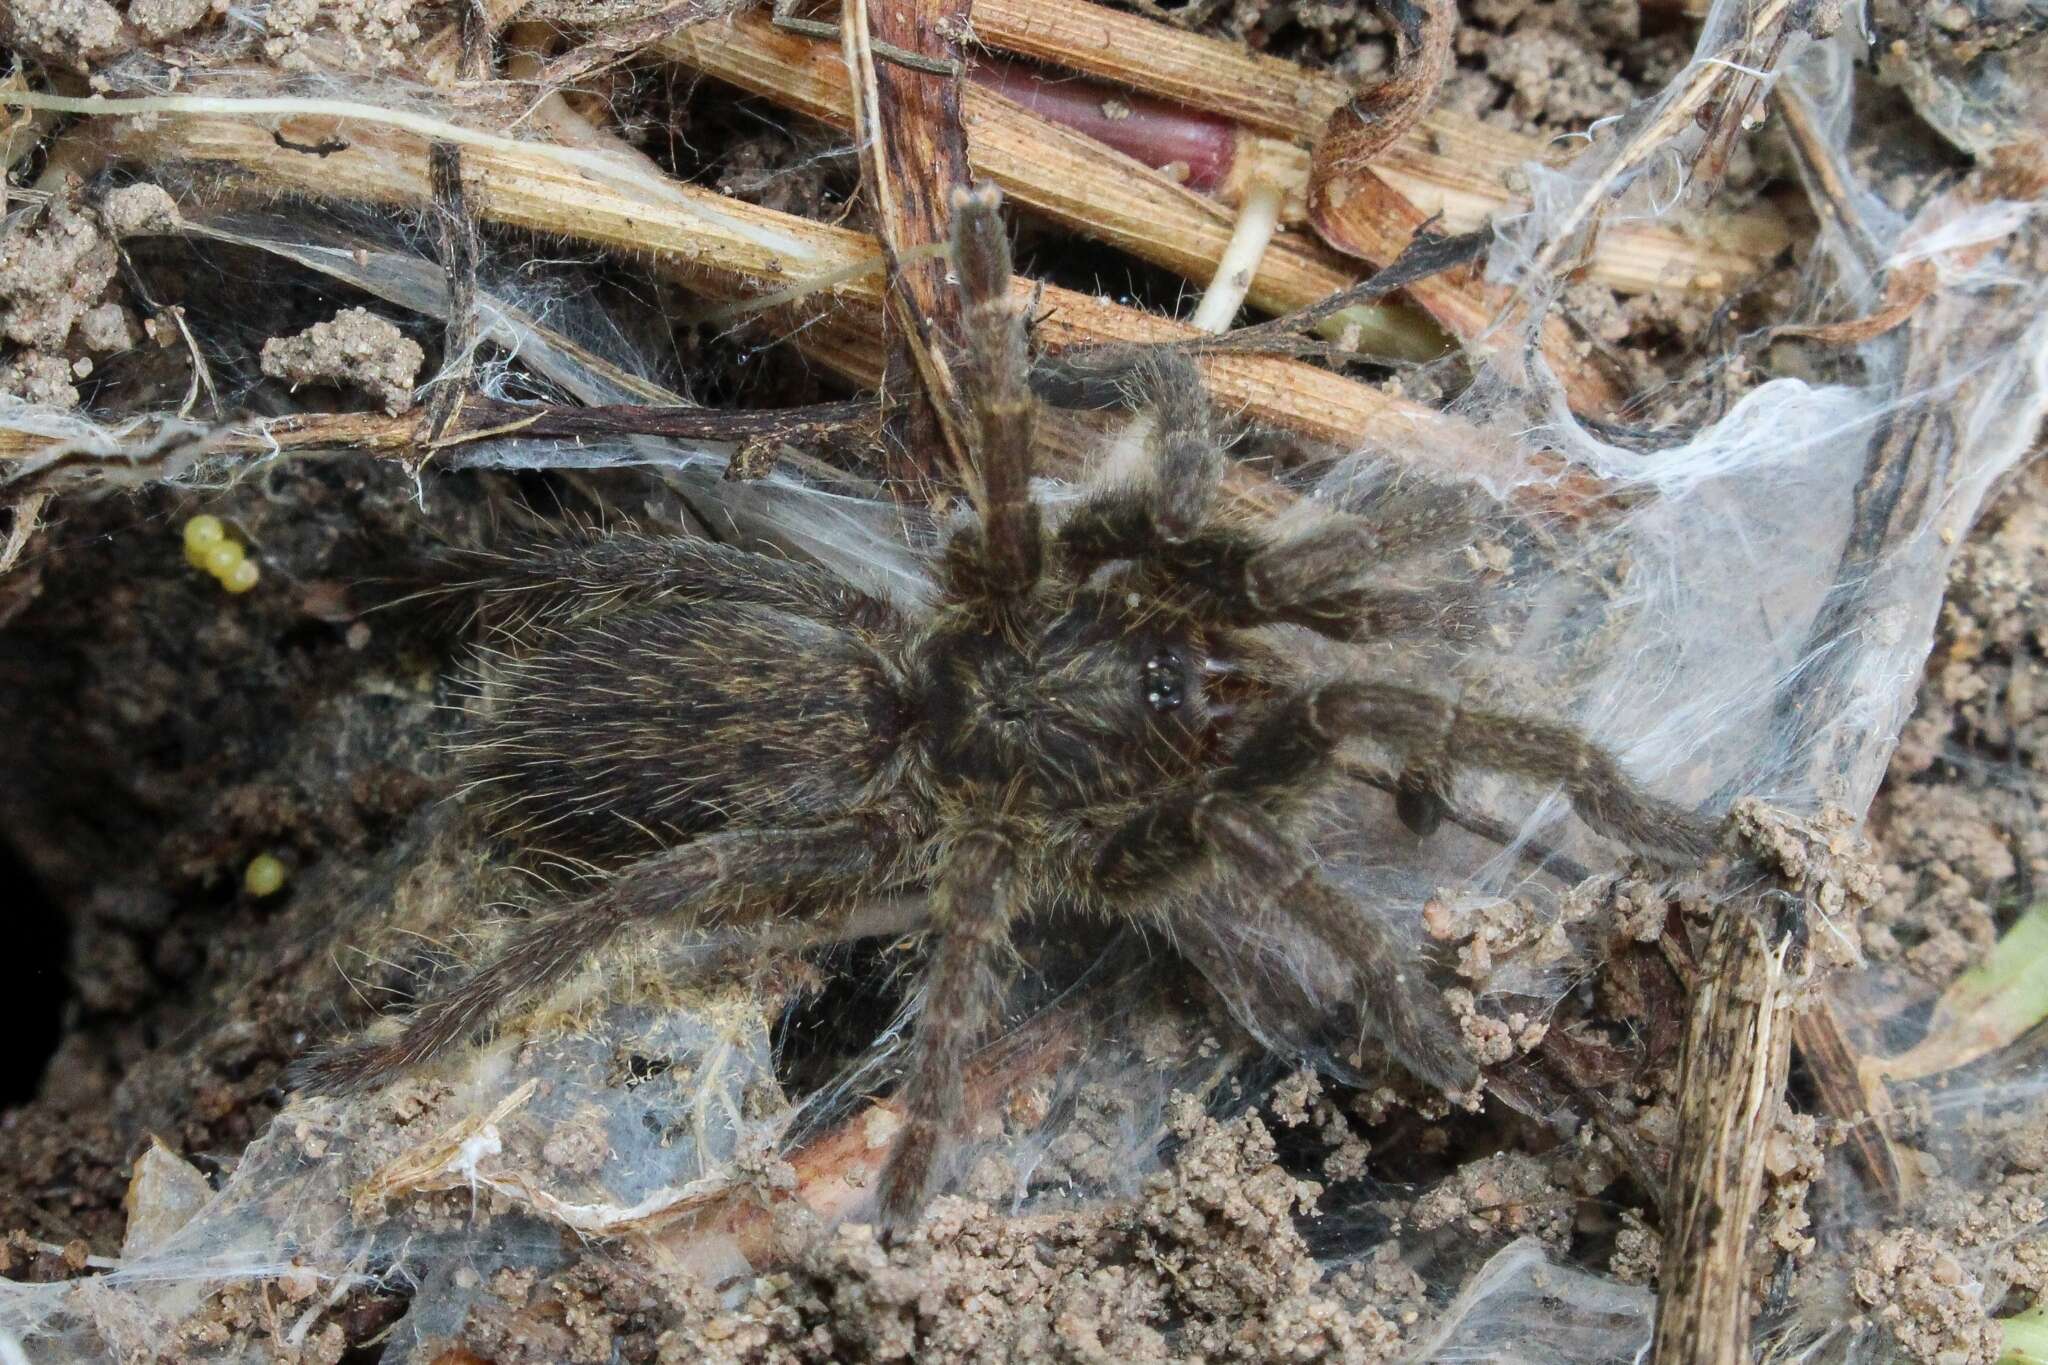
(1552, 77)
(138, 208)
(1509, 1193)
(1794, 1161)
(161, 20)
(68, 33)
(1917, 1286)
(370, 33)
(1827, 860)
(355, 347)
(1207, 1262)
(1950, 858)
(1637, 1252)
(57, 272)
(1959, 820)
(261, 1319)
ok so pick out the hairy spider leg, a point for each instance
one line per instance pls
(1002, 558)
(1329, 576)
(1225, 840)
(974, 898)
(586, 575)
(1435, 737)
(731, 879)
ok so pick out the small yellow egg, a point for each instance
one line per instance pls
(220, 560)
(242, 577)
(264, 876)
(203, 531)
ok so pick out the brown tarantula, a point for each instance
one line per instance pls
(1097, 718)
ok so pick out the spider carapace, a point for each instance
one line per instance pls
(1110, 714)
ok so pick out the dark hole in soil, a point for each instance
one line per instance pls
(36, 948)
(823, 1032)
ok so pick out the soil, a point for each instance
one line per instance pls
(1187, 1199)
(355, 347)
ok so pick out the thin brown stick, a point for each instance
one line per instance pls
(1359, 212)
(913, 155)
(25, 518)
(1827, 188)
(449, 55)
(1910, 468)
(460, 248)
(617, 44)
(1266, 93)
(1380, 115)
(1692, 94)
(851, 424)
(1731, 1089)
(1835, 1066)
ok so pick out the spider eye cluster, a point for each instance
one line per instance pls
(1165, 682)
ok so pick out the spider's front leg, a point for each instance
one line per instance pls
(1002, 557)
(1235, 853)
(1331, 576)
(974, 898)
(732, 879)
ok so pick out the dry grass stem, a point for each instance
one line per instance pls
(726, 248)
(1731, 1089)
(1850, 1095)
(1067, 176)
(913, 155)
(1378, 223)
(45, 462)
(1449, 163)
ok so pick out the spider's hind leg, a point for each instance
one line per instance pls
(973, 901)
(1434, 737)
(1241, 857)
(736, 879)
(591, 573)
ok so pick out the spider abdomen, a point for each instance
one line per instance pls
(624, 734)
